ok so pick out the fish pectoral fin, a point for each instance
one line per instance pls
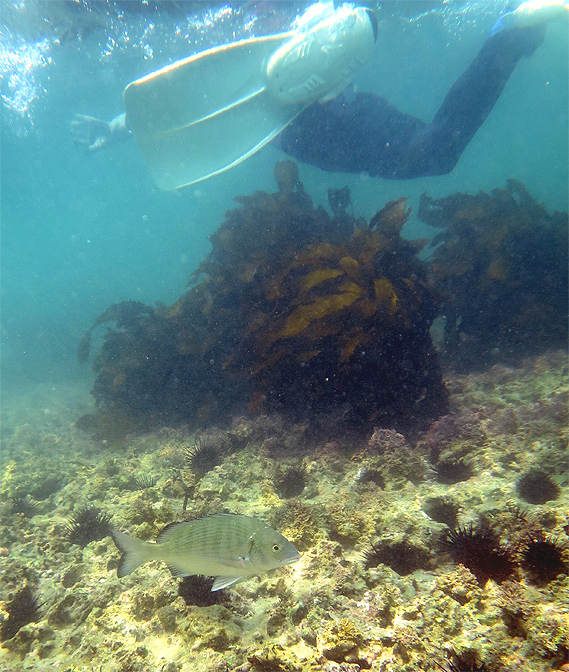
(225, 581)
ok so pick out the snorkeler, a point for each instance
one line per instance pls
(309, 119)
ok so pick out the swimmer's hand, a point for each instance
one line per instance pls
(531, 13)
(90, 133)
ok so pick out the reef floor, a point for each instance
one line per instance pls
(376, 587)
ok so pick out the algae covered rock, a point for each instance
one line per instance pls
(292, 311)
(501, 269)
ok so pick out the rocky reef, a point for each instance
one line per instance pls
(390, 576)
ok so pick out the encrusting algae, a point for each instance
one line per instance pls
(385, 516)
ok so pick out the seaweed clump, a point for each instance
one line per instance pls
(293, 311)
(501, 269)
(86, 525)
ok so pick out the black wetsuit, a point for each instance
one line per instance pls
(371, 135)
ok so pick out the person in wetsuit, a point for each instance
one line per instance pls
(370, 135)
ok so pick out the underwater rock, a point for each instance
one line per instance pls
(293, 312)
(501, 267)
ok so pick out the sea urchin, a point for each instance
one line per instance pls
(543, 558)
(203, 456)
(87, 524)
(24, 608)
(480, 551)
(402, 556)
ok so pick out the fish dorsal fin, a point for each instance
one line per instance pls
(224, 582)
(166, 531)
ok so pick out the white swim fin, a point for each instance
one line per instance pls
(205, 114)
(202, 115)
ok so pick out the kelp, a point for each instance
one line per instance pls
(500, 266)
(292, 311)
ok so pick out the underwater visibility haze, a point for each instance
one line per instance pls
(354, 340)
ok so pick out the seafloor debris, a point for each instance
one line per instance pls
(294, 311)
(501, 269)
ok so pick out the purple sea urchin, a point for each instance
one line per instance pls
(24, 608)
(203, 456)
(289, 483)
(196, 591)
(87, 524)
(450, 471)
(537, 487)
(145, 481)
(465, 662)
(442, 509)
(543, 558)
(24, 505)
(481, 551)
(402, 556)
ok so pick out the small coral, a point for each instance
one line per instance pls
(481, 551)
(537, 487)
(339, 641)
(298, 522)
(386, 441)
(87, 524)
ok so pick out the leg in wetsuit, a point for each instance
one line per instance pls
(371, 135)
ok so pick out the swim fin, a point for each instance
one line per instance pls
(204, 114)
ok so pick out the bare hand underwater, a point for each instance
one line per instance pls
(205, 114)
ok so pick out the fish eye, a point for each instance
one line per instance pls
(276, 548)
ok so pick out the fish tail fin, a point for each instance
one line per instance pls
(135, 552)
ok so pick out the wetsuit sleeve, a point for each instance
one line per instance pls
(370, 135)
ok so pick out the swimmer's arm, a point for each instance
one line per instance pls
(92, 134)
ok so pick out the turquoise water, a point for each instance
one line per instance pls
(82, 231)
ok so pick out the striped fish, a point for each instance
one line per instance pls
(228, 546)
